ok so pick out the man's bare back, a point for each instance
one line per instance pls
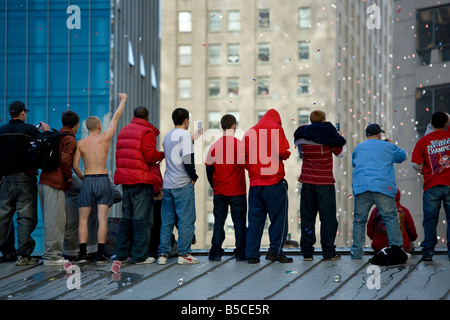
(94, 148)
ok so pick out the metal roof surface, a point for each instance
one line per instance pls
(228, 279)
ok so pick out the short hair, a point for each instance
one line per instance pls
(227, 121)
(141, 112)
(317, 116)
(439, 119)
(93, 123)
(16, 108)
(69, 119)
(179, 115)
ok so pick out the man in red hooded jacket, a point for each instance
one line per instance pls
(137, 162)
(263, 149)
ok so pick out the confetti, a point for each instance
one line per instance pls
(318, 50)
(399, 9)
(204, 45)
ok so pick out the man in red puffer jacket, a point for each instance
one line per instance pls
(137, 163)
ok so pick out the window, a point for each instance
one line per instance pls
(304, 18)
(233, 53)
(215, 21)
(264, 18)
(214, 87)
(303, 84)
(215, 54)
(185, 55)
(233, 87)
(214, 120)
(184, 88)
(130, 54)
(433, 31)
(234, 21)
(236, 115)
(184, 21)
(260, 114)
(428, 101)
(303, 116)
(142, 66)
(263, 86)
(303, 50)
(263, 52)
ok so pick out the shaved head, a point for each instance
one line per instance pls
(92, 123)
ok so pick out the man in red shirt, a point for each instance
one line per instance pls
(137, 162)
(227, 179)
(317, 143)
(431, 157)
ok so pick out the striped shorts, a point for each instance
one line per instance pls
(96, 189)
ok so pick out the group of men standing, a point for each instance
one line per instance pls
(262, 152)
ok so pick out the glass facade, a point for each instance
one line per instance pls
(52, 67)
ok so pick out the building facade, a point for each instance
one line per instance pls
(363, 89)
(421, 86)
(57, 55)
(244, 58)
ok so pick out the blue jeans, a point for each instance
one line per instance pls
(178, 207)
(271, 200)
(18, 193)
(322, 199)
(432, 200)
(238, 208)
(137, 220)
(388, 211)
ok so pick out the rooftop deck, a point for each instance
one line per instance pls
(229, 279)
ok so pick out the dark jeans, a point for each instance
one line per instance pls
(322, 199)
(262, 201)
(137, 221)
(18, 193)
(433, 199)
(238, 208)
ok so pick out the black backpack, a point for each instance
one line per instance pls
(389, 256)
(44, 151)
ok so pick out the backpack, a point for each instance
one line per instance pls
(44, 150)
(389, 256)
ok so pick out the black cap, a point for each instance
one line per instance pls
(16, 107)
(373, 129)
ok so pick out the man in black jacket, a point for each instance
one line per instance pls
(18, 190)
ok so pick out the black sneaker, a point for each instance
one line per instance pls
(9, 257)
(253, 260)
(214, 258)
(278, 257)
(81, 258)
(333, 258)
(101, 259)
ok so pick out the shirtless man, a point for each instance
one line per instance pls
(96, 190)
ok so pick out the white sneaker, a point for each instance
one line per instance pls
(148, 260)
(162, 260)
(59, 262)
(187, 259)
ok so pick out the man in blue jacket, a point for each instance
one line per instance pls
(374, 183)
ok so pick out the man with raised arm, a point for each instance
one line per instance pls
(96, 190)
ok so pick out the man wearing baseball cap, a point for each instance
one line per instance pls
(374, 183)
(18, 190)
